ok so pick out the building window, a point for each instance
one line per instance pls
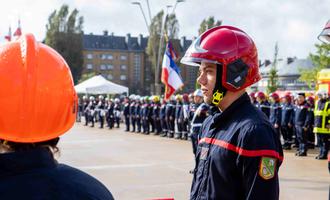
(103, 56)
(110, 77)
(109, 66)
(89, 66)
(137, 67)
(109, 57)
(89, 56)
(123, 77)
(103, 67)
(123, 67)
(123, 57)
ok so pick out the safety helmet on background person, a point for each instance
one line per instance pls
(101, 97)
(235, 54)
(178, 97)
(155, 98)
(117, 100)
(322, 93)
(137, 97)
(84, 97)
(91, 98)
(42, 101)
(172, 98)
(191, 95)
(260, 95)
(185, 97)
(132, 97)
(252, 95)
(287, 96)
(275, 96)
(107, 99)
(198, 92)
(310, 99)
(146, 98)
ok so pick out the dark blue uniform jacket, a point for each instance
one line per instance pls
(275, 114)
(287, 115)
(35, 175)
(228, 160)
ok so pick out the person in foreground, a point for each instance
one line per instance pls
(38, 104)
(239, 153)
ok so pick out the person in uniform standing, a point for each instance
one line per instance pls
(156, 114)
(101, 110)
(162, 116)
(238, 154)
(287, 121)
(321, 124)
(275, 113)
(132, 112)
(91, 110)
(262, 103)
(178, 117)
(117, 112)
(301, 124)
(138, 113)
(85, 109)
(28, 144)
(126, 112)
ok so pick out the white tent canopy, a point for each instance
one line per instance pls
(100, 85)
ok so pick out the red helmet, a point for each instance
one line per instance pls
(185, 97)
(233, 49)
(260, 95)
(310, 99)
(252, 95)
(275, 96)
(325, 34)
(287, 96)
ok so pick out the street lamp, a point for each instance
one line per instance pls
(149, 12)
(161, 41)
(144, 16)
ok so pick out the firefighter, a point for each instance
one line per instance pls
(185, 112)
(162, 116)
(101, 110)
(34, 74)
(155, 114)
(132, 111)
(198, 113)
(85, 110)
(321, 124)
(138, 113)
(301, 120)
(262, 103)
(287, 121)
(178, 117)
(126, 112)
(238, 154)
(117, 112)
(275, 113)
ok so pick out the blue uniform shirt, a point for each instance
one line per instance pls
(34, 174)
(238, 156)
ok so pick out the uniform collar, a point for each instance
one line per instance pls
(17, 162)
(231, 111)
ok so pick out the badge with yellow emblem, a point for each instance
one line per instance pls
(267, 167)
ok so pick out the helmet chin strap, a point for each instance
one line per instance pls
(219, 91)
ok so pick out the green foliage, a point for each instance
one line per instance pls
(273, 77)
(64, 33)
(208, 23)
(320, 61)
(172, 31)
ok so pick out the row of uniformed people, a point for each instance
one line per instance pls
(299, 117)
(100, 110)
(172, 118)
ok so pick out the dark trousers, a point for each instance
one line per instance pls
(110, 121)
(151, 122)
(302, 139)
(127, 122)
(324, 144)
(157, 125)
(145, 125)
(133, 123)
(86, 118)
(163, 125)
(117, 119)
(138, 123)
(101, 119)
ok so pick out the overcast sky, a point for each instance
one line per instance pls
(295, 24)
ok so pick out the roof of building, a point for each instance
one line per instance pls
(288, 67)
(125, 43)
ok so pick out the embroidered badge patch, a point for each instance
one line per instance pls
(204, 152)
(267, 167)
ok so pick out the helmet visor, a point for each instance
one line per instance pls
(194, 54)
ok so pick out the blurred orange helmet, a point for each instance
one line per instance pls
(38, 101)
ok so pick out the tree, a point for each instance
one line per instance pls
(64, 33)
(273, 77)
(320, 61)
(208, 23)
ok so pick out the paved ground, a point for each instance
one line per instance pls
(135, 166)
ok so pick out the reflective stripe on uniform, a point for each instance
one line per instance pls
(241, 151)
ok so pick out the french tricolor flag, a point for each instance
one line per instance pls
(170, 72)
